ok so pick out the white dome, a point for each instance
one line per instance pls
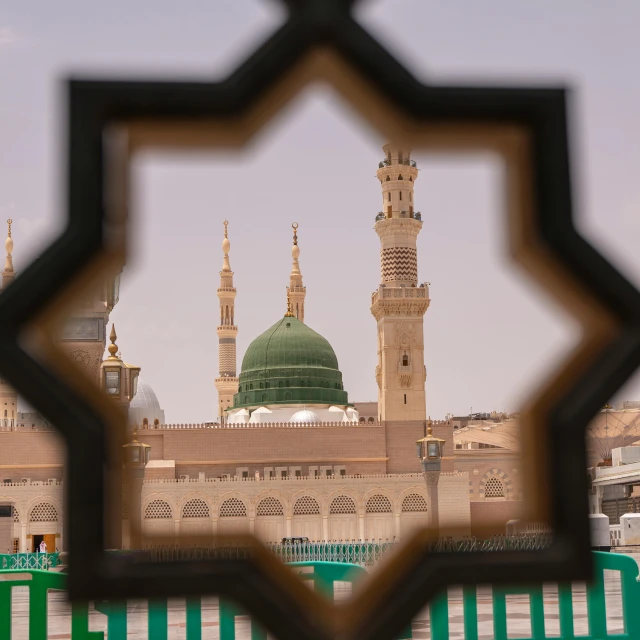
(304, 416)
(145, 397)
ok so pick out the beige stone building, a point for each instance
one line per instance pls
(289, 453)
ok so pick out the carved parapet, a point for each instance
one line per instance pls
(401, 307)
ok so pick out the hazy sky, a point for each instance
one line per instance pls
(489, 334)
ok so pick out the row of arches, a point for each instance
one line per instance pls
(159, 509)
(40, 512)
(272, 517)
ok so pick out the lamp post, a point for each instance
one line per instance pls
(430, 451)
(136, 457)
(119, 381)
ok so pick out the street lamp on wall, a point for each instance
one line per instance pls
(430, 451)
(119, 379)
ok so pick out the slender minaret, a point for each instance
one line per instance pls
(399, 304)
(8, 273)
(296, 291)
(8, 395)
(227, 382)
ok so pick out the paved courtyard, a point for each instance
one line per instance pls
(518, 622)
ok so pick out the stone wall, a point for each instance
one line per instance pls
(219, 451)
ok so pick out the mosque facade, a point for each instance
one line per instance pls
(290, 453)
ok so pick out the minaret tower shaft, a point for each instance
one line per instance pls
(400, 303)
(296, 291)
(8, 395)
(227, 380)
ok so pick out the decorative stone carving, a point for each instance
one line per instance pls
(405, 380)
(81, 357)
(379, 376)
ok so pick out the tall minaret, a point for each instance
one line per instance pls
(296, 292)
(400, 303)
(227, 382)
(8, 273)
(8, 395)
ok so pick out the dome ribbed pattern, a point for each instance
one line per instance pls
(290, 364)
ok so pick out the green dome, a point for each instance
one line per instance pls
(290, 364)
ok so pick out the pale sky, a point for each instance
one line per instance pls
(489, 334)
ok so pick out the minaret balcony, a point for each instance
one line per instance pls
(227, 327)
(414, 215)
(398, 293)
(402, 161)
(226, 289)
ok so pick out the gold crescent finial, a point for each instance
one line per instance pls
(9, 222)
(294, 226)
(226, 224)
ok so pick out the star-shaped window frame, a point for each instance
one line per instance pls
(108, 121)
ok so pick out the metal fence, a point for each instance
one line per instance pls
(44, 561)
(364, 554)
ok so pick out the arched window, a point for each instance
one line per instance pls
(157, 510)
(232, 507)
(156, 422)
(494, 488)
(410, 179)
(371, 420)
(400, 177)
(251, 387)
(401, 195)
(378, 504)
(389, 198)
(342, 504)
(287, 396)
(306, 506)
(362, 420)
(261, 385)
(246, 399)
(266, 384)
(280, 384)
(414, 502)
(145, 422)
(405, 360)
(388, 179)
(43, 512)
(286, 384)
(302, 383)
(196, 508)
(270, 507)
(265, 397)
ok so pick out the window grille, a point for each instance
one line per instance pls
(195, 508)
(44, 512)
(16, 515)
(414, 502)
(270, 507)
(157, 510)
(306, 505)
(494, 488)
(378, 504)
(125, 510)
(232, 507)
(342, 504)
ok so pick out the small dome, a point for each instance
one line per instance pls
(145, 397)
(304, 416)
